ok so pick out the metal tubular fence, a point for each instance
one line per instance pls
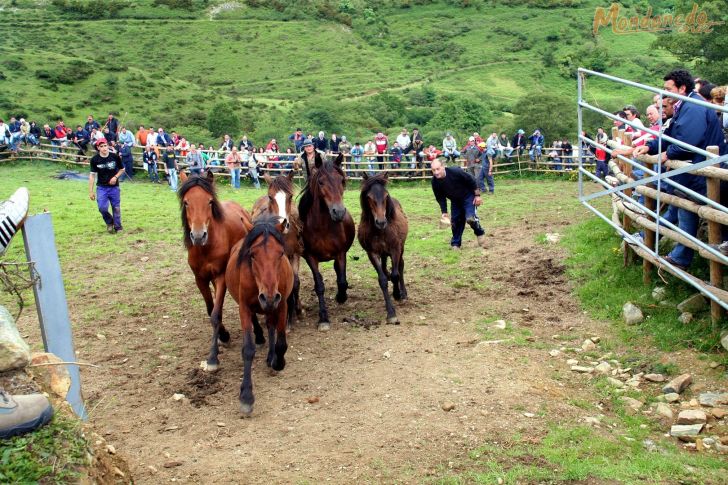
(517, 163)
(650, 215)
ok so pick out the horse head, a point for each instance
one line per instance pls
(328, 181)
(264, 252)
(280, 197)
(200, 208)
(375, 199)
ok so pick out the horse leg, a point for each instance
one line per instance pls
(291, 316)
(403, 291)
(212, 363)
(220, 288)
(271, 341)
(318, 286)
(383, 282)
(204, 286)
(246, 388)
(295, 265)
(384, 266)
(396, 276)
(341, 284)
(258, 330)
(277, 322)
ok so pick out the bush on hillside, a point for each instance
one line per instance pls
(459, 114)
(222, 119)
(552, 113)
(84, 10)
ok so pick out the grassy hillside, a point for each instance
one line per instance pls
(351, 66)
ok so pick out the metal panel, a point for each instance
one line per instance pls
(50, 301)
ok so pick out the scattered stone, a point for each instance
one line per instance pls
(722, 449)
(572, 362)
(110, 449)
(714, 365)
(631, 406)
(14, 352)
(672, 397)
(692, 416)
(144, 259)
(56, 377)
(659, 293)
(686, 432)
(118, 472)
(663, 410)
(655, 378)
(649, 445)
(529, 415)
(387, 354)
(313, 399)
(693, 304)
(718, 413)
(712, 399)
(592, 421)
(499, 325)
(678, 384)
(554, 353)
(615, 382)
(588, 345)
(708, 441)
(178, 397)
(632, 315)
(101, 336)
(685, 318)
(553, 237)
(448, 406)
(172, 464)
(603, 368)
(582, 369)
(596, 340)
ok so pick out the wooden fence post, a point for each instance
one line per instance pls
(715, 236)
(649, 239)
(626, 221)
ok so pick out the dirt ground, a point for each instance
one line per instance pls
(363, 402)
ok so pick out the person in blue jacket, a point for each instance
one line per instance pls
(697, 126)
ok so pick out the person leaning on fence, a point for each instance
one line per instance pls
(334, 143)
(381, 143)
(456, 184)
(536, 141)
(370, 149)
(519, 142)
(697, 126)
(194, 160)
(600, 155)
(126, 143)
(472, 155)
(504, 147)
(149, 159)
(297, 139)
(450, 147)
(81, 139)
(486, 171)
(357, 153)
(405, 142)
(106, 168)
(34, 134)
(567, 153)
(395, 155)
(320, 143)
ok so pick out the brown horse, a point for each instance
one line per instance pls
(279, 203)
(328, 229)
(211, 229)
(260, 278)
(382, 233)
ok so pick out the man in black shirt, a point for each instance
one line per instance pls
(106, 168)
(459, 186)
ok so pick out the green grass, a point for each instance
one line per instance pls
(53, 454)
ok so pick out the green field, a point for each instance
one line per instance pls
(437, 65)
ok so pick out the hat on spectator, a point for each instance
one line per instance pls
(481, 144)
(447, 134)
(343, 138)
(307, 143)
(100, 141)
(472, 138)
(521, 132)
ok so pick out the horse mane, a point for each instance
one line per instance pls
(366, 186)
(282, 183)
(309, 192)
(207, 186)
(266, 227)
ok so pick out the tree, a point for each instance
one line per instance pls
(223, 119)
(460, 114)
(554, 115)
(706, 50)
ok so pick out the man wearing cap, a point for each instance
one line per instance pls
(297, 139)
(472, 155)
(536, 146)
(519, 143)
(456, 184)
(308, 158)
(450, 147)
(106, 168)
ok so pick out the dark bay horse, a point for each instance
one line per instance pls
(382, 233)
(211, 229)
(328, 229)
(260, 278)
(279, 203)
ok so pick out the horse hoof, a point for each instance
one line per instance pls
(324, 326)
(272, 372)
(246, 409)
(208, 367)
(224, 343)
(393, 320)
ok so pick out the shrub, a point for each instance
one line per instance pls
(222, 119)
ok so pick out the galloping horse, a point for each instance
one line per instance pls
(328, 229)
(279, 203)
(382, 233)
(260, 278)
(211, 229)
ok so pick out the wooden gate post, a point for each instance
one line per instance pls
(715, 236)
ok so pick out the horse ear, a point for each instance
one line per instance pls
(210, 177)
(364, 176)
(386, 176)
(267, 178)
(339, 160)
(290, 175)
(183, 176)
(281, 226)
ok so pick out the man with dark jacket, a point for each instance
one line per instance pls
(113, 125)
(697, 126)
(91, 123)
(456, 184)
(81, 138)
(519, 142)
(320, 143)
